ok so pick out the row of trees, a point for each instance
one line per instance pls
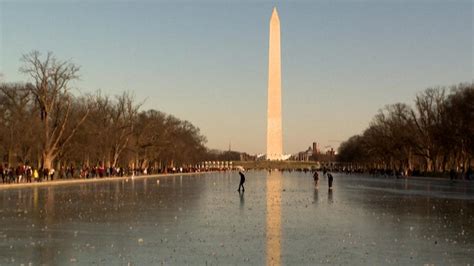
(436, 134)
(43, 123)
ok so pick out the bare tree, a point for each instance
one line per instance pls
(51, 89)
(123, 117)
(427, 116)
(437, 133)
(458, 120)
(46, 123)
(167, 140)
(151, 138)
(18, 122)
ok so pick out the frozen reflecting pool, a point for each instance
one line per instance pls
(202, 219)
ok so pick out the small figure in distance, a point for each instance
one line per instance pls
(330, 179)
(242, 181)
(452, 175)
(316, 178)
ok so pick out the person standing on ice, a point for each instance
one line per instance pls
(242, 181)
(316, 178)
(330, 179)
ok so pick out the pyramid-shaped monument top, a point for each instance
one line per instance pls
(274, 14)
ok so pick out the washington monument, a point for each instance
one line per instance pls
(274, 130)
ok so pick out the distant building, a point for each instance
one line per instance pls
(331, 152)
(247, 157)
(305, 156)
(310, 154)
(218, 155)
(314, 153)
(315, 149)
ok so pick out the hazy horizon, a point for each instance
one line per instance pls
(206, 62)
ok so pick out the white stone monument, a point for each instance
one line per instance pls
(274, 129)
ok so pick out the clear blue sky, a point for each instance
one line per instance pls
(206, 61)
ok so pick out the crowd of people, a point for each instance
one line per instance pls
(25, 173)
(453, 174)
(389, 173)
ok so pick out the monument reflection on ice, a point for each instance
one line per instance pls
(273, 235)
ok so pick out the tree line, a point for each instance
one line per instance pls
(435, 134)
(42, 123)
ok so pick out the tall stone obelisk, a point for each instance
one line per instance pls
(274, 130)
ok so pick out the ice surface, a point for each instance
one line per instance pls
(202, 219)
